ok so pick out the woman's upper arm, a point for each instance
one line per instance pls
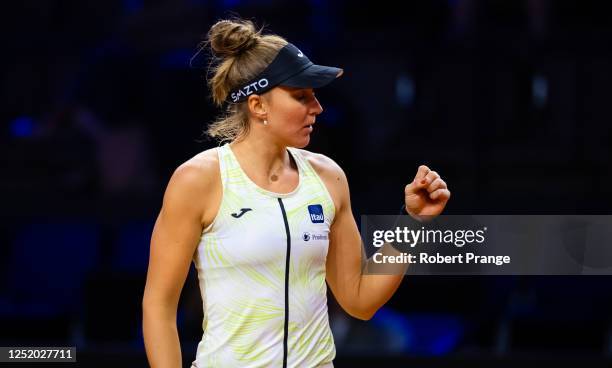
(177, 232)
(343, 266)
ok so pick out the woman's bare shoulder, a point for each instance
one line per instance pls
(332, 176)
(323, 165)
(197, 176)
(205, 163)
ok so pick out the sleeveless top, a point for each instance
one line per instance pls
(261, 272)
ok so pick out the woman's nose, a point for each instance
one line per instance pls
(317, 107)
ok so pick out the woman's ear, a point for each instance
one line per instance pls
(257, 106)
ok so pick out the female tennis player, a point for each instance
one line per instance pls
(267, 224)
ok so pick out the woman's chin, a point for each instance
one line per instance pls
(301, 142)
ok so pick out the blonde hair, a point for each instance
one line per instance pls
(240, 53)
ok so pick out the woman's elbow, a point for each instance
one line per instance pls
(364, 314)
(155, 308)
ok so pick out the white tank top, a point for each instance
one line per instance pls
(261, 270)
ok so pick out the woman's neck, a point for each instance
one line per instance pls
(262, 158)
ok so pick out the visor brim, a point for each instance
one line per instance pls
(315, 76)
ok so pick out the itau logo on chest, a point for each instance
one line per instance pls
(316, 213)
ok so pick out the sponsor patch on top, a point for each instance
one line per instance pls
(316, 213)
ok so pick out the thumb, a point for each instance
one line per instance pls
(419, 181)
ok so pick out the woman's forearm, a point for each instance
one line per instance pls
(379, 282)
(161, 337)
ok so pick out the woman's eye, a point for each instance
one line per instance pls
(303, 96)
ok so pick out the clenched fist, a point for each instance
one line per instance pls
(427, 195)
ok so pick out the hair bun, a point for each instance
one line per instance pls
(231, 38)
